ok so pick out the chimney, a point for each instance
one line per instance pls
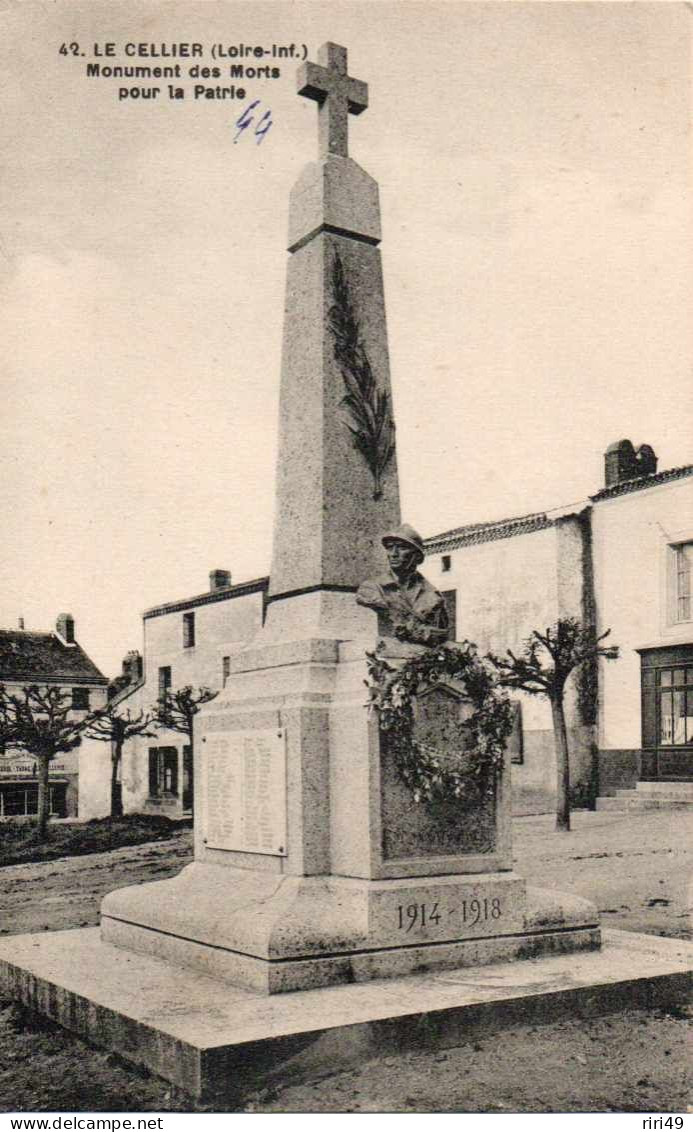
(219, 579)
(647, 460)
(622, 462)
(132, 666)
(21, 624)
(65, 627)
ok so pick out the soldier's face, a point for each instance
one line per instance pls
(402, 558)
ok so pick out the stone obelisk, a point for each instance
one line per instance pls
(313, 864)
(336, 487)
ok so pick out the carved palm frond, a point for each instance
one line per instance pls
(372, 428)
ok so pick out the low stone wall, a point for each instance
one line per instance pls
(618, 770)
(534, 780)
(169, 805)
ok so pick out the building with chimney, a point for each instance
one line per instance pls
(620, 560)
(186, 642)
(48, 660)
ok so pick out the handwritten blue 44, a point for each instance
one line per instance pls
(248, 118)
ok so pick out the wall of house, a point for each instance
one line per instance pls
(632, 534)
(221, 629)
(19, 766)
(94, 779)
(506, 588)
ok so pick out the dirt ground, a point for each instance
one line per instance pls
(636, 867)
(52, 895)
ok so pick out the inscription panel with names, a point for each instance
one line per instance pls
(245, 791)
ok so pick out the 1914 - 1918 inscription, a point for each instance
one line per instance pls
(469, 913)
(245, 791)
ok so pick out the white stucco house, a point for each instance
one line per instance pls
(184, 642)
(49, 660)
(621, 559)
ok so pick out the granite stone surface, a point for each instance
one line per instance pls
(212, 1038)
(337, 94)
(337, 194)
(345, 877)
(275, 933)
(460, 826)
(328, 524)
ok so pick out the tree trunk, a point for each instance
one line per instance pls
(191, 788)
(116, 793)
(562, 765)
(43, 795)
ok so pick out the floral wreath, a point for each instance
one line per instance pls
(470, 776)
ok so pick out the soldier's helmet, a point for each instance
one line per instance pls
(407, 535)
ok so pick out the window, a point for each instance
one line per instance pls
(80, 699)
(21, 800)
(188, 630)
(164, 681)
(225, 670)
(170, 773)
(163, 771)
(675, 702)
(445, 563)
(683, 555)
(516, 737)
(450, 599)
(667, 712)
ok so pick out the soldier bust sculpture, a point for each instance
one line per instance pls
(408, 606)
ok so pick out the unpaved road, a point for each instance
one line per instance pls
(67, 893)
(636, 868)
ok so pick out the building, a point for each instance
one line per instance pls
(642, 533)
(620, 561)
(186, 642)
(48, 660)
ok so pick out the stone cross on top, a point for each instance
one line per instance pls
(337, 95)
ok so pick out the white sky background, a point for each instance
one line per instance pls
(535, 188)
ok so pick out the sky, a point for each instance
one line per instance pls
(535, 186)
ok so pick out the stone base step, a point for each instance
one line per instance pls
(633, 801)
(213, 1039)
(663, 789)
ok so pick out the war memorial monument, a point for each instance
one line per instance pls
(356, 856)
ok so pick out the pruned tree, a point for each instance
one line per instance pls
(42, 724)
(177, 710)
(114, 726)
(542, 669)
(6, 723)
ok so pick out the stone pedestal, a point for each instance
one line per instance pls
(354, 880)
(221, 1042)
(313, 864)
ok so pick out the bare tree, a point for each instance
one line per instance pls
(108, 725)
(542, 669)
(6, 725)
(41, 724)
(177, 710)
